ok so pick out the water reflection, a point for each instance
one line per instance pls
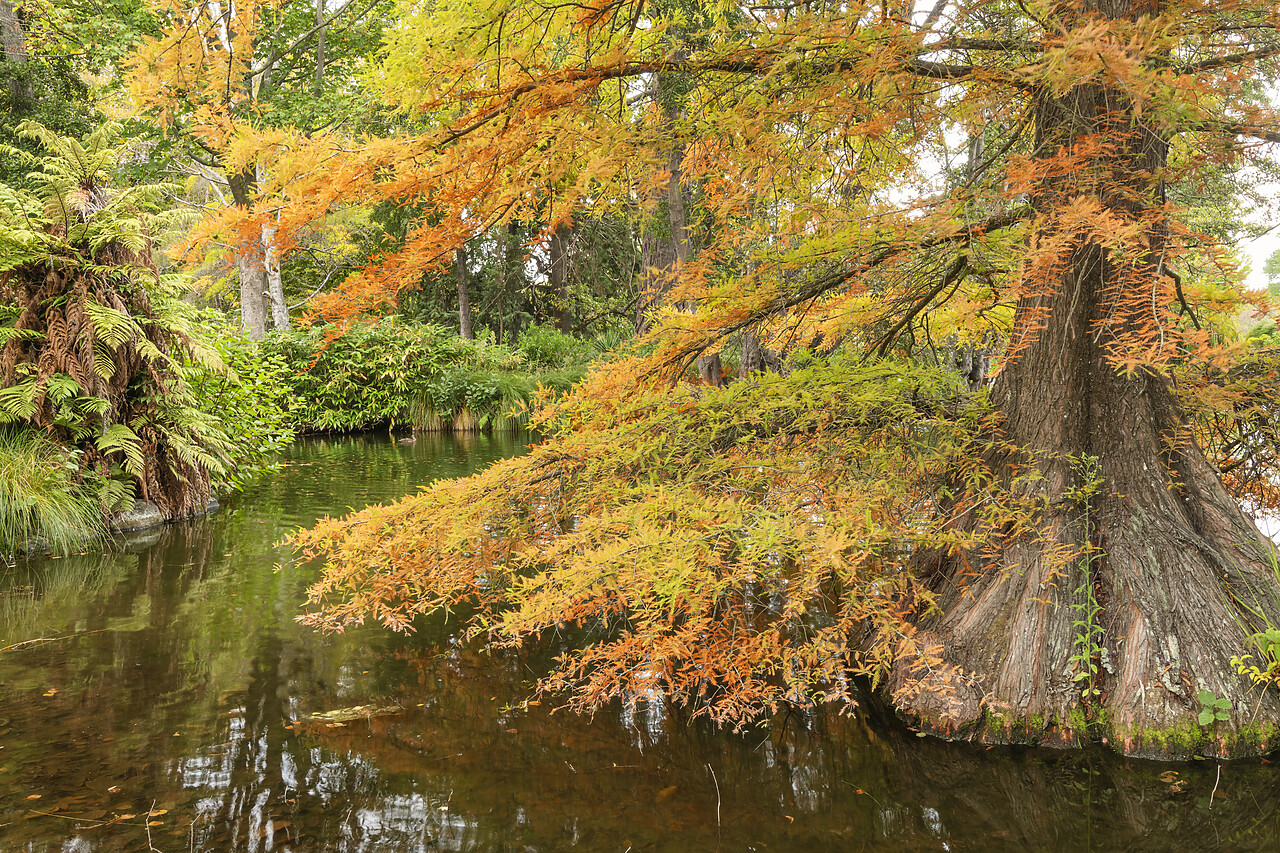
(148, 698)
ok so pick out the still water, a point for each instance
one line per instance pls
(148, 699)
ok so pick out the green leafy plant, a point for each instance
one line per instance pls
(1087, 640)
(97, 349)
(1212, 709)
(1267, 643)
(249, 398)
(397, 372)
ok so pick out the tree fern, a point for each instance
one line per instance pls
(92, 337)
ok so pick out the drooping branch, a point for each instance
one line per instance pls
(684, 356)
(950, 277)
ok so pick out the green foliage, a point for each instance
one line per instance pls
(543, 346)
(1263, 335)
(1212, 709)
(692, 541)
(1087, 640)
(1267, 643)
(396, 372)
(98, 351)
(250, 398)
(44, 498)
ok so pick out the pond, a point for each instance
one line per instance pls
(148, 700)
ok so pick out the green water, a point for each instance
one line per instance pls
(147, 699)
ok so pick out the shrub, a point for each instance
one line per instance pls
(420, 375)
(543, 346)
(250, 399)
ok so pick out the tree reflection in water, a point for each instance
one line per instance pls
(170, 674)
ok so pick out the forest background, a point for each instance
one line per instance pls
(927, 361)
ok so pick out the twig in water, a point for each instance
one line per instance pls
(1215, 786)
(35, 640)
(717, 781)
(151, 848)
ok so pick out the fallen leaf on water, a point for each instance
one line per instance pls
(127, 816)
(155, 823)
(337, 725)
(157, 812)
(53, 691)
(114, 789)
(35, 796)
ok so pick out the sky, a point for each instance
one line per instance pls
(1258, 250)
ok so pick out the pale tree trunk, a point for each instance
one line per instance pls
(1176, 557)
(464, 296)
(275, 286)
(319, 77)
(253, 293)
(14, 50)
(249, 266)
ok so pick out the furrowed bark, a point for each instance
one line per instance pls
(1181, 574)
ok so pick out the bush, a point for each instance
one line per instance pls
(546, 347)
(250, 399)
(420, 375)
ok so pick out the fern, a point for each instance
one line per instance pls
(118, 438)
(17, 402)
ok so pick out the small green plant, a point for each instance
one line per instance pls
(1268, 645)
(1212, 709)
(1088, 633)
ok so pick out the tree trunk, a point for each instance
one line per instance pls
(559, 252)
(14, 51)
(249, 265)
(319, 76)
(253, 294)
(1175, 561)
(275, 286)
(464, 297)
(657, 260)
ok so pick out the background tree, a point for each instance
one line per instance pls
(219, 66)
(50, 53)
(1271, 269)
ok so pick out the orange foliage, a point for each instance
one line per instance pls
(743, 548)
(732, 550)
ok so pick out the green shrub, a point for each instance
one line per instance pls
(250, 400)
(420, 375)
(544, 347)
(1263, 335)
